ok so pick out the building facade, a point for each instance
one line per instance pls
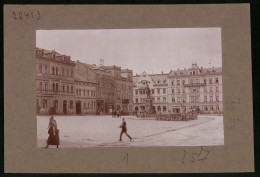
(181, 90)
(55, 83)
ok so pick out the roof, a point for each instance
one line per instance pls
(81, 77)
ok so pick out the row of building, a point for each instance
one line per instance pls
(68, 87)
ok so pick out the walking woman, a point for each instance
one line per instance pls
(53, 132)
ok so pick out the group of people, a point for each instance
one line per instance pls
(116, 113)
(54, 138)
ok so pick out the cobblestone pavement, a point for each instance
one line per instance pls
(104, 131)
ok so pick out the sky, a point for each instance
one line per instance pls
(152, 50)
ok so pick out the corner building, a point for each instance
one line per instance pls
(55, 83)
(181, 90)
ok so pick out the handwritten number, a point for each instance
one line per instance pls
(26, 14)
(184, 155)
(126, 157)
(20, 15)
(14, 15)
(38, 13)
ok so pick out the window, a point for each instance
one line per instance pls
(71, 104)
(193, 72)
(57, 71)
(68, 88)
(211, 108)
(44, 103)
(178, 82)
(191, 81)
(172, 82)
(164, 108)
(190, 73)
(158, 100)
(158, 91)
(205, 89)
(84, 92)
(217, 99)
(77, 92)
(183, 90)
(85, 105)
(53, 86)
(57, 87)
(210, 89)
(152, 91)
(210, 80)
(63, 72)
(205, 81)
(158, 81)
(179, 100)
(164, 99)
(40, 68)
(46, 86)
(40, 86)
(53, 70)
(211, 98)
(136, 92)
(94, 93)
(72, 88)
(159, 108)
(63, 88)
(71, 73)
(205, 98)
(164, 90)
(87, 92)
(196, 72)
(173, 100)
(217, 108)
(216, 80)
(178, 90)
(68, 73)
(172, 90)
(136, 100)
(46, 69)
(164, 81)
(183, 82)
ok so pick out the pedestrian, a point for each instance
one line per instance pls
(53, 132)
(120, 113)
(124, 130)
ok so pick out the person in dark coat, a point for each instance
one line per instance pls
(124, 130)
(53, 132)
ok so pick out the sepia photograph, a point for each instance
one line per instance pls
(129, 87)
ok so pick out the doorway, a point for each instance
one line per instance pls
(78, 107)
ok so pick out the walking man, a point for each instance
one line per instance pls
(124, 130)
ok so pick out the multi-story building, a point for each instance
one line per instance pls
(158, 86)
(186, 89)
(55, 83)
(114, 87)
(85, 96)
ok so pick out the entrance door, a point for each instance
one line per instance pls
(64, 106)
(78, 107)
(55, 107)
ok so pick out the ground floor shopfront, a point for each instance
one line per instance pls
(65, 105)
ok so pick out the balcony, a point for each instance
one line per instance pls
(194, 85)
